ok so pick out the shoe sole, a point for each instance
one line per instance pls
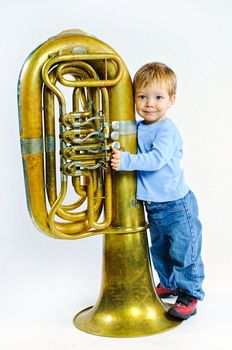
(167, 295)
(175, 314)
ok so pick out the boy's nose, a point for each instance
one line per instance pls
(149, 103)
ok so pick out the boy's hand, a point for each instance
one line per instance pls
(115, 160)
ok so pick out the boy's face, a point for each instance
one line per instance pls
(152, 102)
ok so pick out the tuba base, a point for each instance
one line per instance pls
(127, 305)
(116, 324)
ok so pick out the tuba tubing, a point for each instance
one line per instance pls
(33, 142)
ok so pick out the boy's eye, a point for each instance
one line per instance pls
(141, 97)
(159, 97)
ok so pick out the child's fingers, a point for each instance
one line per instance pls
(115, 160)
(116, 153)
(115, 163)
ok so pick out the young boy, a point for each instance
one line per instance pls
(171, 206)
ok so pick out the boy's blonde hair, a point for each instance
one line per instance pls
(155, 72)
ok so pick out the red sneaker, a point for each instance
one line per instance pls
(165, 293)
(185, 306)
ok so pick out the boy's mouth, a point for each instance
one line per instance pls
(149, 112)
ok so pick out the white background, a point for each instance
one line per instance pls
(44, 282)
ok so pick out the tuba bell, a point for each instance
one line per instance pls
(75, 101)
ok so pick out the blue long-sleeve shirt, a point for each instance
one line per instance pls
(159, 175)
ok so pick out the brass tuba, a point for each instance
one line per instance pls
(75, 102)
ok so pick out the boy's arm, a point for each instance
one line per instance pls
(162, 151)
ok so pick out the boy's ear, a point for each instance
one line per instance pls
(172, 99)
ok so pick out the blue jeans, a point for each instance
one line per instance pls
(176, 244)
